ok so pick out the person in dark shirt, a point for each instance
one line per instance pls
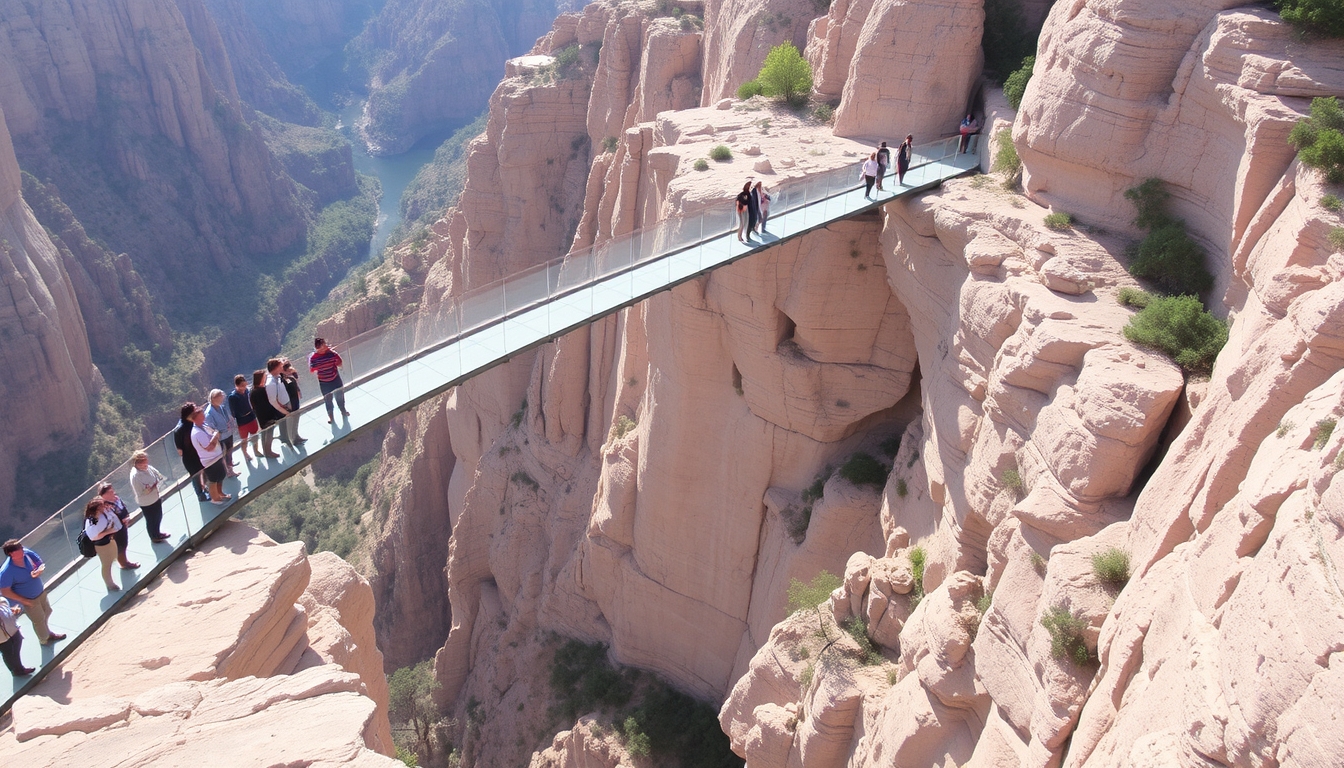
(240, 405)
(266, 415)
(325, 363)
(182, 440)
(903, 154)
(883, 163)
(743, 213)
(290, 378)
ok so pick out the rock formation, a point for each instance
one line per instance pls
(50, 375)
(434, 65)
(247, 649)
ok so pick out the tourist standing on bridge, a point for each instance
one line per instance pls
(869, 175)
(903, 154)
(146, 484)
(21, 582)
(207, 442)
(764, 197)
(266, 415)
(743, 206)
(291, 379)
(118, 507)
(969, 127)
(101, 526)
(278, 396)
(883, 163)
(326, 364)
(753, 211)
(11, 640)
(244, 415)
(218, 418)
(182, 440)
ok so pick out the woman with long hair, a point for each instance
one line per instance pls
(101, 526)
(903, 154)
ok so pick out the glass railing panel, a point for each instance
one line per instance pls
(526, 288)
(482, 306)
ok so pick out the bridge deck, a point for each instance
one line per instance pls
(541, 309)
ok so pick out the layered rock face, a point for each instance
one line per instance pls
(437, 63)
(246, 653)
(132, 111)
(641, 482)
(51, 378)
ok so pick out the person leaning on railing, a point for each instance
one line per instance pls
(326, 364)
(21, 582)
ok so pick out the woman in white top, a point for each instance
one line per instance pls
(146, 483)
(869, 174)
(101, 526)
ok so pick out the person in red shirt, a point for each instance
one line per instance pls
(326, 365)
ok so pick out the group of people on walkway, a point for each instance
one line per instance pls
(248, 416)
(205, 438)
(874, 169)
(753, 211)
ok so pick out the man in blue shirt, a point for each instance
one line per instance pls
(21, 582)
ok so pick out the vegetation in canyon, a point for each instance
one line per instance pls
(1319, 138)
(1318, 17)
(1179, 327)
(785, 75)
(1015, 85)
(324, 511)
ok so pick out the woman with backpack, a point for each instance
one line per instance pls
(101, 525)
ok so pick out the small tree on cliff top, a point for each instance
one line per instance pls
(787, 74)
(1319, 139)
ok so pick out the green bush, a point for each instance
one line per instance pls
(1172, 261)
(1319, 139)
(1179, 327)
(1066, 635)
(917, 560)
(863, 469)
(857, 629)
(609, 144)
(1012, 480)
(1331, 203)
(806, 597)
(786, 74)
(1015, 85)
(1336, 238)
(902, 490)
(983, 603)
(1058, 221)
(1324, 429)
(702, 165)
(1133, 297)
(890, 445)
(1006, 160)
(583, 680)
(636, 741)
(623, 426)
(1168, 257)
(721, 153)
(1038, 562)
(1111, 567)
(824, 113)
(1320, 17)
(748, 89)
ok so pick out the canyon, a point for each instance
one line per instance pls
(668, 480)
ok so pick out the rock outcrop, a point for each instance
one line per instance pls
(51, 379)
(247, 649)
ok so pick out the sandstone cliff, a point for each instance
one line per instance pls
(656, 480)
(245, 653)
(50, 375)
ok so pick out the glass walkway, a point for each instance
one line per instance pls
(397, 366)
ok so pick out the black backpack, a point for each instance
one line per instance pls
(85, 545)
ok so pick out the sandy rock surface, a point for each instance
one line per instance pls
(242, 654)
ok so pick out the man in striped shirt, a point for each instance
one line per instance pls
(325, 363)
